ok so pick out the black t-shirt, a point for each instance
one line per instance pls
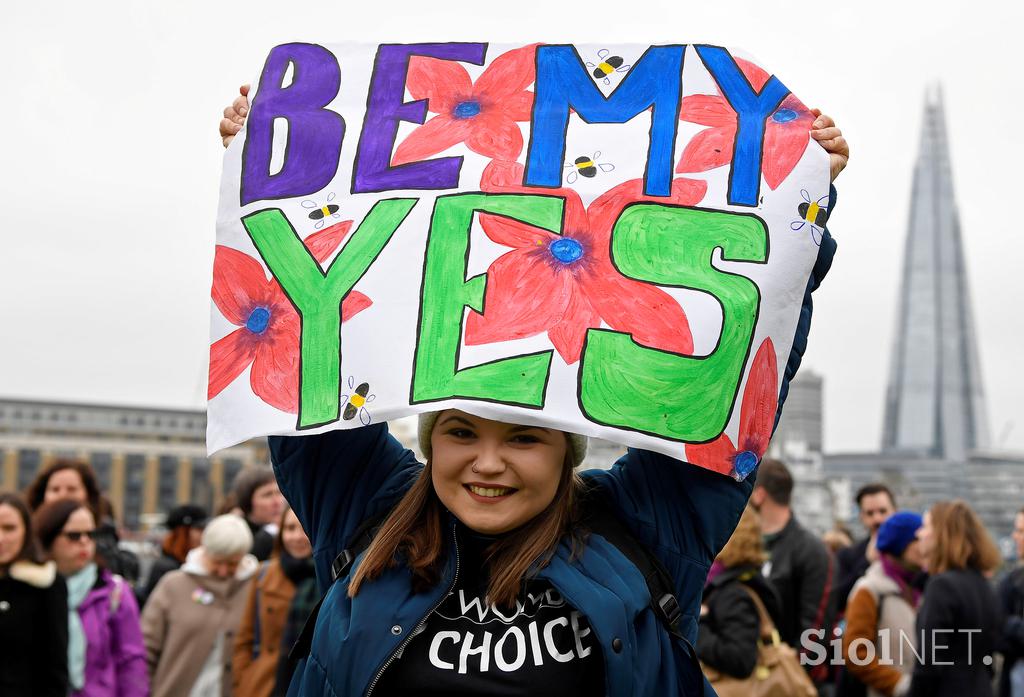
(541, 647)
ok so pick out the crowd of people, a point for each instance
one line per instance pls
(921, 605)
(918, 606)
(215, 615)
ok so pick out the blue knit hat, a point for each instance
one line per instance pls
(897, 532)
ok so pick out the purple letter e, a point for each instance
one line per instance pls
(386, 107)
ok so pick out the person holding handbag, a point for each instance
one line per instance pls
(883, 607)
(738, 643)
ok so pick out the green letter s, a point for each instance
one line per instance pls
(684, 398)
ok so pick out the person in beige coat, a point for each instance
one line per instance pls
(192, 616)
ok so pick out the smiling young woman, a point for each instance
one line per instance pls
(513, 482)
(482, 577)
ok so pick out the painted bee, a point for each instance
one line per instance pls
(607, 66)
(320, 213)
(355, 403)
(588, 167)
(813, 213)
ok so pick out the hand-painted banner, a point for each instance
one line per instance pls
(609, 240)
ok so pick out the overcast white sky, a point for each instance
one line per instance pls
(109, 169)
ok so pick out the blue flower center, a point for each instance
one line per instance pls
(784, 116)
(467, 109)
(745, 462)
(258, 320)
(566, 250)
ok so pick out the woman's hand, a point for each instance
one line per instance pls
(234, 116)
(831, 138)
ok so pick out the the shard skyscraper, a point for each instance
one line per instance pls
(935, 441)
(934, 402)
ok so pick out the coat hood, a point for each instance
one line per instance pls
(195, 566)
(38, 575)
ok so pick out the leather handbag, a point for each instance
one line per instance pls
(778, 672)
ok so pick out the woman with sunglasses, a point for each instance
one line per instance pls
(105, 654)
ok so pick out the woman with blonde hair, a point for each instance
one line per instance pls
(959, 619)
(730, 625)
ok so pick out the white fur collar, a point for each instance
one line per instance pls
(38, 575)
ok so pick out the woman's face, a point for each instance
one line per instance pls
(293, 537)
(267, 504)
(912, 555)
(65, 484)
(12, 534)
(491, 475)
(925, 539)
(74, 547)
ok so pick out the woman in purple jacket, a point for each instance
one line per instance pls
(106, 656)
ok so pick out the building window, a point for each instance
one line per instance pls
(202, 489)
(134, 485)
(167, 483)
(101, 464)
(232, 466)
(28, 467)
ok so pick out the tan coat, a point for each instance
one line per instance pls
(188, 612)
(889, 677)
(255, 678)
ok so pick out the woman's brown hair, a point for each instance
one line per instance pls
(30, 549)
(415, 530)
(178, 543)
(745, 547)
(960, 541)
(36, 491)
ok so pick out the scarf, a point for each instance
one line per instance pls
(716, 569)
(79, 585)
(905, 578)
(297, 570)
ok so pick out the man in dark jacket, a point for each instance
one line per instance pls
(875, 503)
(799, 565)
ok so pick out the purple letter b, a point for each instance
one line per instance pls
(314, 133)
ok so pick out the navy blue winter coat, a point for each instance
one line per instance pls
(684, 514)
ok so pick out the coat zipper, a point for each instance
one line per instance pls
(413, 633)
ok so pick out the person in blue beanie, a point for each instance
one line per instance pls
(882, 609)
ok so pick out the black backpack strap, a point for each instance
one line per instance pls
(600, 519)
(361, 539)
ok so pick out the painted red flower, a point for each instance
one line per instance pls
(566, 284)
(268, 333)
(785, 138)
(757, 417)
(483, 115)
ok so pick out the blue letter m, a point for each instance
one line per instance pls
(563, 83)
